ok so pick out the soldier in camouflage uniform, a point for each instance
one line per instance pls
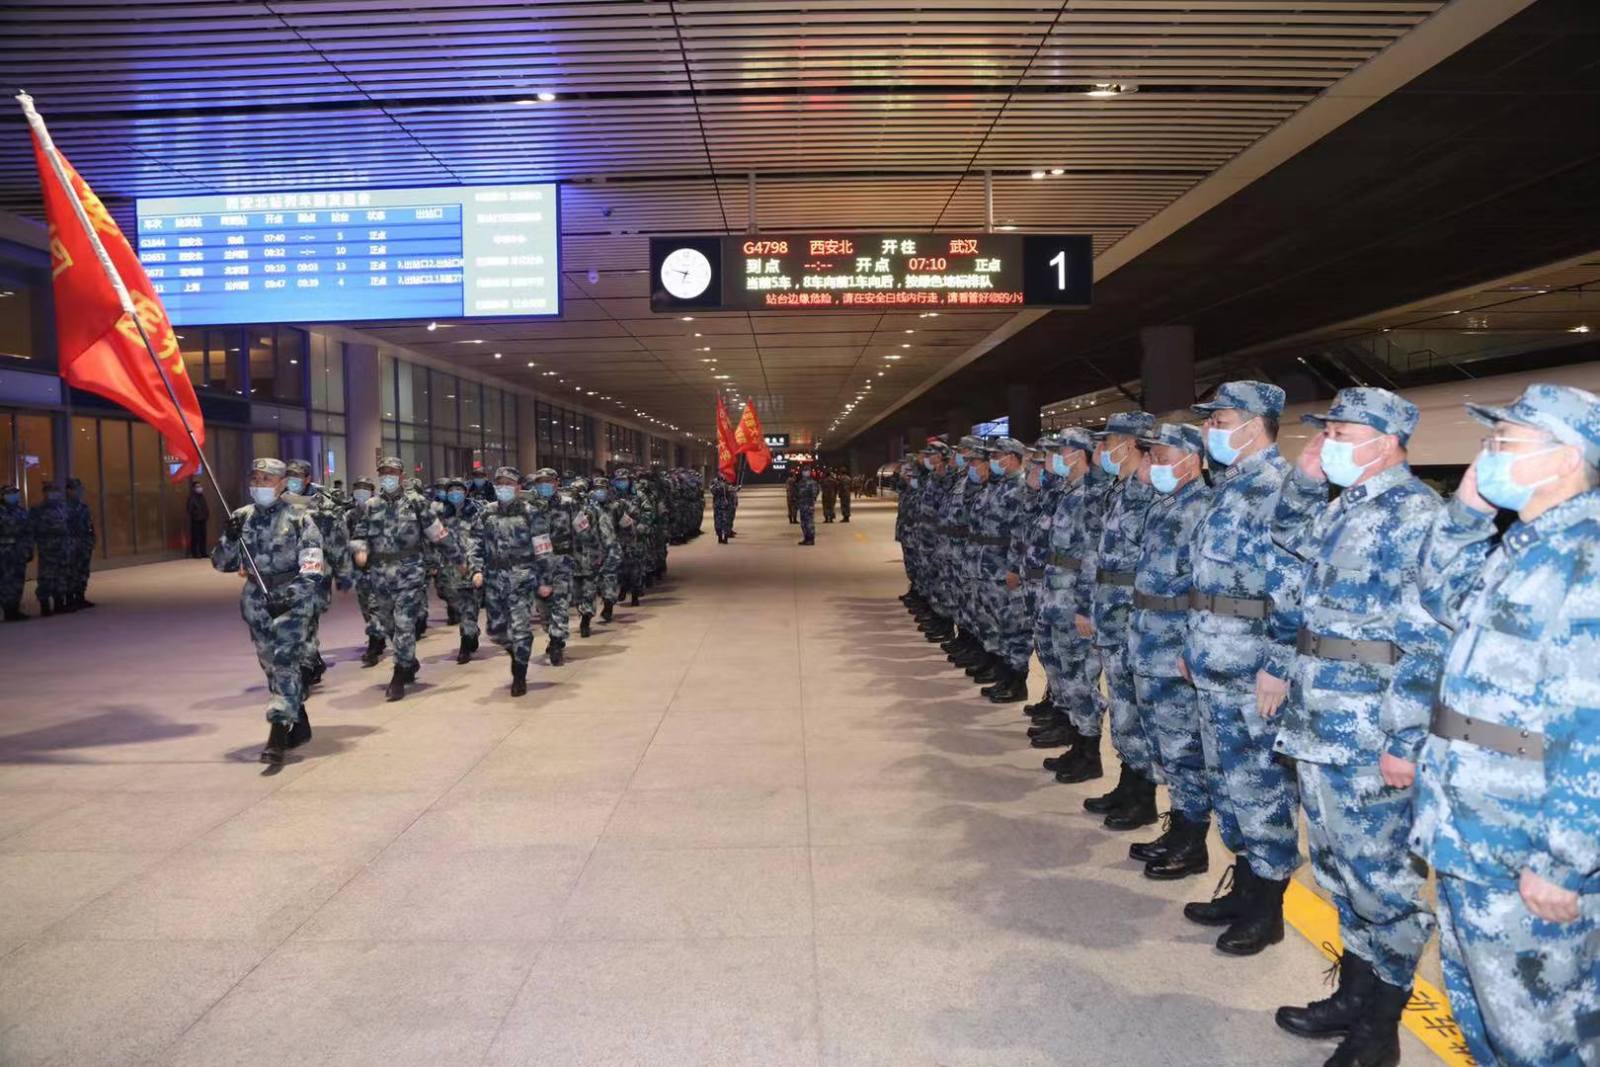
(829, 486)
(16, 549)
(724, 498)
(936, 615)
(1243, 620)
(805, 495)
(950, 564)
(999, 535)
(50, 525)
(594, 550)
(1364, 680)
(555, 605)
(1508, 809)
(458, 512)
(628, 524)
(362, 490)
(1044, 490)
(512, 559)
(286, 546)
(843, 477)
(81, 520)
(653, 519)
(908, 486)
(1071, 715)
(1156, 632)
(388, 539)
(300, 491)
(1131, 803)
(603, 497)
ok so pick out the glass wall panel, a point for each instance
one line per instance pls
(36, 448)
(147, 479)
(386, 373)
(445, 389)
(421, 391)
(86, 465)
(8, 451)
(117, 474)
(289, 364)
(192, 346)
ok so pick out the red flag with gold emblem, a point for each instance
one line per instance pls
(727, 455)
(99, 346)
(751, 440)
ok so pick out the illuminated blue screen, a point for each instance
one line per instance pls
(354, 255)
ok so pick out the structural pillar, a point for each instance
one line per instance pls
(957, 424)
(1022, 411)
(363, 399)
(1167, 368)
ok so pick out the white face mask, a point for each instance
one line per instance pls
(263, 495)
(389, 483)
(361, 496)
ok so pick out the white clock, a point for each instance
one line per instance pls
(685, 273)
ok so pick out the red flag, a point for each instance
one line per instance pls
(99, 346)
(750, 440)
(726, 453)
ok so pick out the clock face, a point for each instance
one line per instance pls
(685, 273)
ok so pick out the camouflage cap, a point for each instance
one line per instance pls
(545, 472)
(298, 466)
(1047, 443)
(599, 482)
(9, 489)
(1131, 423)
(937, 448)
(1384, 411)
(1571, 416)
(391, 463)
(1075, 437)
(1175, 435)
(507, 472)
(970, 443)
(1256, 398)
(363, 481)
(622, 472)
(1008, 446)
(455, 483)
(272, 468)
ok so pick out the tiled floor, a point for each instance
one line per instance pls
(755, 821)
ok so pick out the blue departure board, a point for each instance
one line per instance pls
(354, 255)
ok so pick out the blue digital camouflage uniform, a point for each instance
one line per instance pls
(999, 533)
(16, 549)
(609, 577)
(1158, 627)
(80, 521)
(1044, 493)
(50, 524)
(329, 518)
(961, 510)
(393, 529)
(594, 548)
(722, 504)
(908, 493)
(509, 544)
(287, 548)
(1064, 596)
(1252, 789)
(1116, 557)
(362, 490)
(1367, 691)
(626, 510)
(456, 588)
(805, 495)
(1518, 787)
(556, 608)
(942, 508)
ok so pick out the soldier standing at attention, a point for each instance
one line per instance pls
(1044, 489)
(286, 546)
(1156, 632)
(83, 542)
(1116, 558)
(1364, 680)
(1001, 535)
(1508, 810)
(805, 495)
(16, 549)
(50, 525)
(199, 512)
(791, 490)
(830, 493)
(556, 604)
(388, 539)
(511, 558)
(722, 497)
(936, 618)
(905, 509)
(465, 600)
(844, 495)
(1243, 620)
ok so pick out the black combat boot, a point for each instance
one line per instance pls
(300, 732)
(1145, 851)
(1062, 736)
(469, 645)
(1083, 762)
(1042, 709)
(1138, 807)
(66, 605)
(397, 684)
(1002, 671)
(1227, 899)
(606, 609)
(277, 743)
(519, 678)
(1334, 1016)
(45, 608)
(584, 625)
(83, 601)
(1374, 1039)
(972, 658)
(1261, 923)
(988, 671)
(943, 632)
(452, 617)
(411, 671)
(1013, 689)
(374, 652)
(556, 651)
(421, 627)
(308, 677)
(1186, 852)
(634, 602)
(1106, 803)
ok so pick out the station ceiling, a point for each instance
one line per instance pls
(654, 115)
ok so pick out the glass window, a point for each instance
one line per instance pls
(36, 448)
(147, 479)
(86, 464)
(117, 473)
(289, 363)
(386, 375)
(192, 346)
(329, 370)
(445, 392)
(263, 366)
(8, 454)
(491, 413)
(223, 352)
(333, 459)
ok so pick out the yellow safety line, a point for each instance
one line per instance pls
(1427, 1015)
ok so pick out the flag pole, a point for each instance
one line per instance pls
(36, 123)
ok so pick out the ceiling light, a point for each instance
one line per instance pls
(1105, 89)
(1036, 175)
(532, 364)
(891, 357)
(911, 331)
(1058, 171)
(432, 326)
(880, 374)
(905, 346)
(497, 355)
(1579, 329)
(1008, 227)
(699, 335)
(688, 318)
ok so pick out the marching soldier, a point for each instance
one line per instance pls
(512, 558)
(602, 497)
(1243, 620)
(362, 490)
(628, 526)
(1364, 681)
(723, 500)
(594, 550)
(16, 549)
(1507, 808)
(458, 512)
(286, 546)
(1156, 632)
(555, 604)
(301, 492)
(388, 540)
(805, 496)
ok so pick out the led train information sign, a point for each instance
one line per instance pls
(874, 272)
(352, 255)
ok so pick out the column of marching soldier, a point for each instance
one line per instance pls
(1419, 677)
(517, 550)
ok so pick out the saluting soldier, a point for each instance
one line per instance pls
(512, 558)
(286, 546)
(1508, 809)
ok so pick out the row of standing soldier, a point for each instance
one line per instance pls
(518, 550)
(1422, 683)
(61, 530)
